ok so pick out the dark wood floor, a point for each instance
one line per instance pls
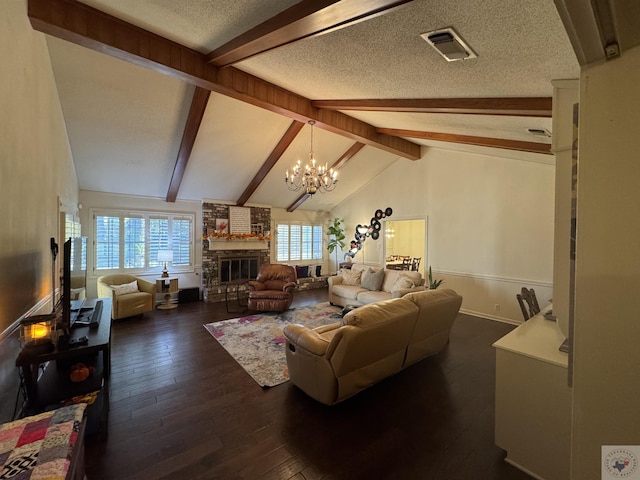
(182, 408)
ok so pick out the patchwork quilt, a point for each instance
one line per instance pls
(40, 447)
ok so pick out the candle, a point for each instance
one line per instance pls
(38, 330)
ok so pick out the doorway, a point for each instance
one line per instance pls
(407, 238)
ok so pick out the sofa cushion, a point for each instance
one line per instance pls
(315, 270)
(367, 296)
(125, 288)
(402, 282)
(350, 292)
(372, 279)
(302, 271)
(391, 276)
(375, 313)
(351, 277)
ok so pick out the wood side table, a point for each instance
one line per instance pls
(168, 286)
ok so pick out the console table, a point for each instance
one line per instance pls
(533, 399)
(54, 388)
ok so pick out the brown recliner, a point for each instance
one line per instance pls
(272, 290)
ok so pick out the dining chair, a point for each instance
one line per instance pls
(528, 302)
(415, 264)
(406, 263)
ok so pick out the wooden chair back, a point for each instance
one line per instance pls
(528, 303)
(415, 264)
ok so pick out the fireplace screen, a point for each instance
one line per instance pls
(236, 269)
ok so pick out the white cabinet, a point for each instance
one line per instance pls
(533, 400)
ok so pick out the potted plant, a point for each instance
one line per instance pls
(433, 284)
(337, 232)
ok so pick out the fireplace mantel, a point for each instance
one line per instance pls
(249, 244)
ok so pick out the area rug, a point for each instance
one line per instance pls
(257, 343)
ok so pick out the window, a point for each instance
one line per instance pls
(107, 242)
(134, 242)
(131, 241)
(298, 242)
(71, 226)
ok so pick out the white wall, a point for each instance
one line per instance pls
(606, 328)
(491, 222)
(96, 200)
(36, 167)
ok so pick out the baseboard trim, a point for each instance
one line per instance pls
(486, 316)
(521, 468)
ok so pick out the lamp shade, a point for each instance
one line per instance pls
(165, 255)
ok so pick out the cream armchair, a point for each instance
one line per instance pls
(129, 294)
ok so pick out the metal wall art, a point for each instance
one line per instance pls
(365, 231)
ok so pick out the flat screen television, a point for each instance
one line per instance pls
(74, 280)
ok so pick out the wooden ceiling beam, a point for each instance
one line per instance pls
(192, 125)
(348, 155)
(533, 147)
(344, 158)
(513, 106)
(305, 19)
(299, 201)
(83, 25)
(271, 160)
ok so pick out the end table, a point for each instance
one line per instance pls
(168, 286)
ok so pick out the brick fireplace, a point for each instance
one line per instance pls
(225, 261)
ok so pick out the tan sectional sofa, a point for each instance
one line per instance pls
(395, 284)
(372, 342)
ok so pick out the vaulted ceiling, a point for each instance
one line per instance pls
(210, 99)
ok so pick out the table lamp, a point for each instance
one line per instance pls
(165, 256)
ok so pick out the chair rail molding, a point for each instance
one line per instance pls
(496, 278)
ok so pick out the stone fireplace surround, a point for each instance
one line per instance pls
(221, 266)
(214, 281)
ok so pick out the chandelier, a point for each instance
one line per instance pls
(311, 178)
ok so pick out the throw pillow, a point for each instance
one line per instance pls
(351, 277)
(372, 279)
(302, 271)
(126, 288)
(402, 282)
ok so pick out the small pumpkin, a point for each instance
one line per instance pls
(80, 372)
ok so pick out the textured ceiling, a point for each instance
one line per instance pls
(125, 122)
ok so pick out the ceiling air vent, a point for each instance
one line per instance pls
(449, 44)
